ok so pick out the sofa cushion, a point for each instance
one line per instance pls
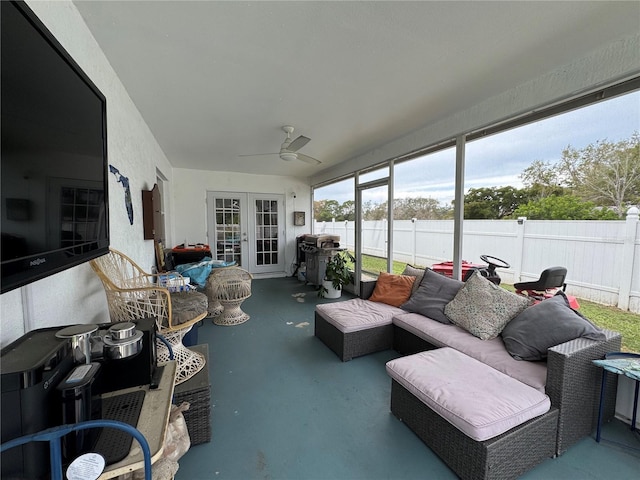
(544, 325)
(477, 399)
(431, 296)
(414, 272)
(392, 289)
(483, 308)
(357, 314)
(491, 352)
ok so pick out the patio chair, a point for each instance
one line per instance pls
(550, 278)
(134, 294)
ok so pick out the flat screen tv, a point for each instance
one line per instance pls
(53, 155)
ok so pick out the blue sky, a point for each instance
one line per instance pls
(500, 159)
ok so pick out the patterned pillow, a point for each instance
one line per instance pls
(483, 308)
(392, 289)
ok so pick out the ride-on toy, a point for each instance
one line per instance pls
(551, 279)
(488, 271)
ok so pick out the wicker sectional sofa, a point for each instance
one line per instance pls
(567, 377)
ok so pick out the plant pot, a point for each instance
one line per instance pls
(330, 291)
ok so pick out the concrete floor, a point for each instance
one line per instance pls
(285, 407)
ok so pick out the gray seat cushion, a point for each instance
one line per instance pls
(186, 306)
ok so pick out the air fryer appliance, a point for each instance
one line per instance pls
(31, 367)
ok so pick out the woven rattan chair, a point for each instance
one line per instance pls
(229, 287)
(133, 294)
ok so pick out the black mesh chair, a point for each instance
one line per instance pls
(550, 278)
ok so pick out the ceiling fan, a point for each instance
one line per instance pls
(289, 149)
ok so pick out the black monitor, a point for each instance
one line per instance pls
(54, 207)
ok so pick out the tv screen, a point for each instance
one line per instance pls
(53, 155)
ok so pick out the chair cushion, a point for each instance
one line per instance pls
(477, 399)
(357, 314)
(490, 352)
(185, 306)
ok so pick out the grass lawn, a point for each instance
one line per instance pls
(611, 318)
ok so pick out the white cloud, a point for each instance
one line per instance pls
(499, 160)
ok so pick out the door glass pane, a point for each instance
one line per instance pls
(374, 231)
(266, 232)
(227, 230)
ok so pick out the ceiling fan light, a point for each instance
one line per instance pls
(288, 156)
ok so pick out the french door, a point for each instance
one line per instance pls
(248, 229)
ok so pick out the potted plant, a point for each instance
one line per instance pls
(337, 275)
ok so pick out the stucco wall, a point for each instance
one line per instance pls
(76, 295)
(190, 209)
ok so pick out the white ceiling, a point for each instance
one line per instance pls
(218, 79)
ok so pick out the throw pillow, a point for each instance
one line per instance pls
(545, 325)
(432, 294)
(392, 289)
(414, 272)
(483, 308)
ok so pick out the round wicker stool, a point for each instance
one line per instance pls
(229, 286)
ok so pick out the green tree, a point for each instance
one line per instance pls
(348, 211)
(605, 173)
(374, 211)
(421, 208)
(493, 202)
(566, 207)
(542, 179)
(326, 210)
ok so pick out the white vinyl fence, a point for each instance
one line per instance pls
(602, 257)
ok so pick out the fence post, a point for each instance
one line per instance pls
(517, 268)
(413, 248)
(346, 234)
(628, 247)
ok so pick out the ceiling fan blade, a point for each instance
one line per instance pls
(308, 159)
(260, 154)
(298, 143)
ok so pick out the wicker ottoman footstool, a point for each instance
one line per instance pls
(197, 392)
(482, 423)
(355, 327)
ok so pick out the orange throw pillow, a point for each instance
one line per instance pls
(392, 289)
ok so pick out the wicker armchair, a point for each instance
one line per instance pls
(133, 294)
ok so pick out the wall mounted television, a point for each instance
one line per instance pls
(54, 185)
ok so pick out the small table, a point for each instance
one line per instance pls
(620, 363)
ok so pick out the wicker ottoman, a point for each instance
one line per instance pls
(197, 392)
(355, 327)
(480, 422)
